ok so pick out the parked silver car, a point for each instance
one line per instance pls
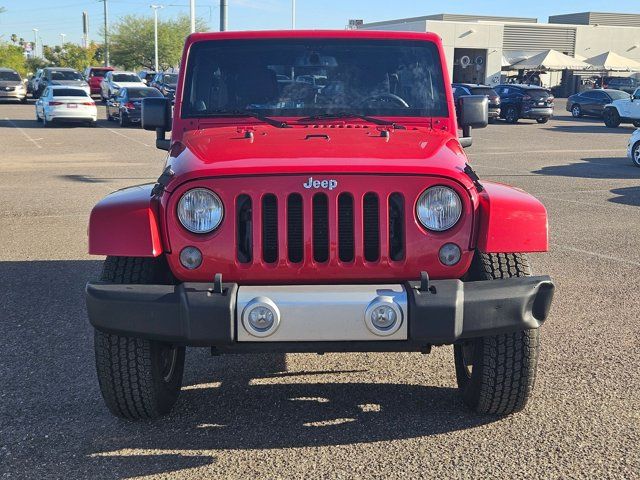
(11, 85)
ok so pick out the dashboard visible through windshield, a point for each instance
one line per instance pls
(307, 77)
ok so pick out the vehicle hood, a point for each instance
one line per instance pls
(10, 83)
(74, 83)
(338, 149)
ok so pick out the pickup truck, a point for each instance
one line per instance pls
(288, 219)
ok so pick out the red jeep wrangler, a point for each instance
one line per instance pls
(333, 216)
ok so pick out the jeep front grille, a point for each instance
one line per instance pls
(337, 226)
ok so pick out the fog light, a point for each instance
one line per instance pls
(450, 254)
(190, 258)
(383, 316)
(261, 317)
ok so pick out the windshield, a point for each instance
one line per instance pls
(98, 73)
(8, 76)
(68, 92)
(355, 76)
(126, 77)
(489, 92)
(618, 95)
(65, 75)
(143, 92)
(170, 78)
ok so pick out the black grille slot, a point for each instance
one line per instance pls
(295, 242)
(345, 227)
(396, 227)
(320, 227)
(270, 228)
(371, 220)
(244, 248)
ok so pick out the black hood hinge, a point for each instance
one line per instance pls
(473, 176)
(162, 181)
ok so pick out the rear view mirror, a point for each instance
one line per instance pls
(473, 113)
(156, 115)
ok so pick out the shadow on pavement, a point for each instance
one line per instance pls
(54, 419)
(595, 128)
(601, 167)
(626, 196)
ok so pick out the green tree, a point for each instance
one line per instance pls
(12, 56)
(72, 55)
(132, 43)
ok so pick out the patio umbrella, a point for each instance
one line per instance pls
(611, 61)
(550, 60)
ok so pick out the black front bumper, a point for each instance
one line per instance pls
(445, 313)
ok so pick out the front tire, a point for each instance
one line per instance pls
(511, 115)
(496, 374)
(635, 154)
(611, 118)
(124, 122)
(139, 378)
(542, 120)
(576, 111)
(636, 124)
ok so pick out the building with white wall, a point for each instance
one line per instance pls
(478, 47)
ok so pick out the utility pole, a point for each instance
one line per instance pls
(223, 15)
(106, 33)
(192, 14)
(35, 45)
(293, 14)
(155, 32)
(62, 35)
(85, 29)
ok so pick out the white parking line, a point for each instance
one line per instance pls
(596, 254)
(546, 151)
(32, 140)
(125, 136)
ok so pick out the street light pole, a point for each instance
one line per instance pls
(62, 35)
(106, 34)
(223, 15)
(35, 44)
(192, 14)
(155, 32)
(293, 14)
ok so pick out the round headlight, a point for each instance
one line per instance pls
(200, 210)
(439, 208)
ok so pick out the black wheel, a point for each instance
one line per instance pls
(636, 124)
(38, 119)
(635, 154)
(139, 379)
(45, 123)
(496, 374)
(24, 99)
(576, 111)
(511, 115)
(611, 118)
(124, 122)
(542, 119)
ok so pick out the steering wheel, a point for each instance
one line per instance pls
(387, 98)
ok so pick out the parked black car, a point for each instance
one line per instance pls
(591, 102)
(126, 107)
(465, 89)
(626, 84)
(525, 101)
(166, 83)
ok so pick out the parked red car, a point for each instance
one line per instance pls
(94, 76)
(292, 220)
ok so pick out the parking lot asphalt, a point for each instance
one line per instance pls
(336, 415)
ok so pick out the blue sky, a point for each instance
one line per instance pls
(53, 17)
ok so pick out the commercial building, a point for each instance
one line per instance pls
(478, 48)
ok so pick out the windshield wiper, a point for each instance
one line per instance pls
(252, 114)
(366, 118)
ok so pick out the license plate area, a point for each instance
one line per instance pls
(322, 313)
(72, 105)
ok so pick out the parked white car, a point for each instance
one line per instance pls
(66, 104)
(633, 149)
(114, 81)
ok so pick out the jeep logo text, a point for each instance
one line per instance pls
(311, 183)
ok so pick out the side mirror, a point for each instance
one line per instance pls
(156, 115)
(473, 112)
